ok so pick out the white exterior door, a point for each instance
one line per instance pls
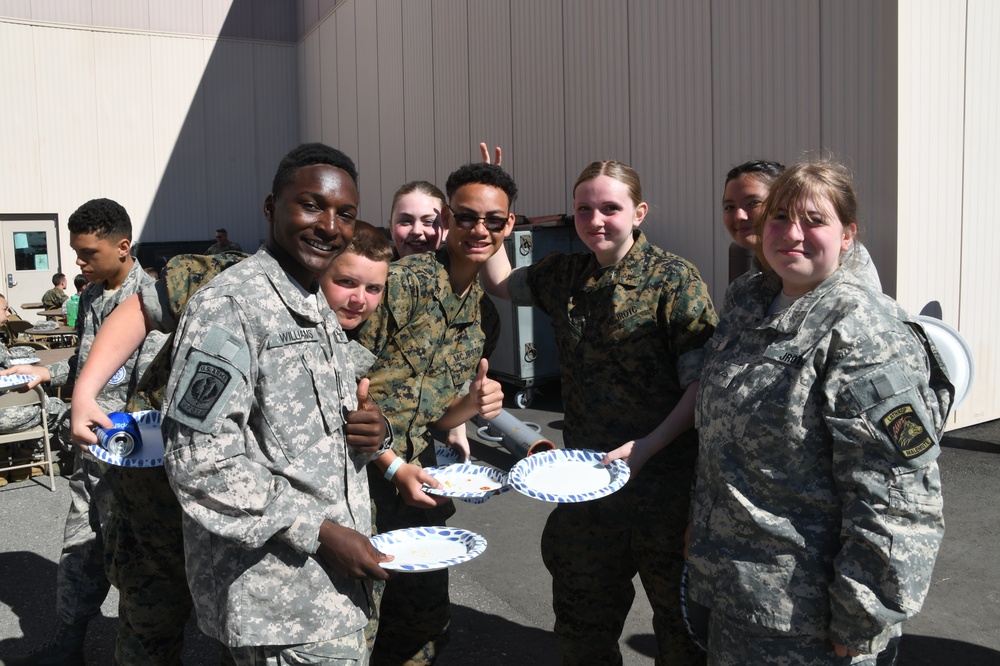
(30, 251)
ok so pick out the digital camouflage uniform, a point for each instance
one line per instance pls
(54, 298)
(818, 510)
(16, 419)
(21, 418)
(144, 548)
(629, 339)
(429, 342)
(82, 583)
(219, 248)
(257, 456)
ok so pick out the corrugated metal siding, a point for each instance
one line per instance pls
(858, 89)
(125, 14)
(124, 121)
(312, 88)
(765, 95)
(671, 127)
(368, 155)
(180, 16)
(490, 92)
(329, 84)
(596, 66)
(21, 185)
(536, 153)
(450, 77)
(931, 126)
(68, 117)
(418, 104)
(228, 87)
(271, 20)
(979, 317)
(275, 102)
(347, 84)
(178, 116)
(391, 140)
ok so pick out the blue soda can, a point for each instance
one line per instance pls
(122, 438)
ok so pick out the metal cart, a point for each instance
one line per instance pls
(526, 352)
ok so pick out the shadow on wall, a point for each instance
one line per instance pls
(242, 119)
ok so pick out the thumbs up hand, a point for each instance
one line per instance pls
(487, 392)
(365, 427)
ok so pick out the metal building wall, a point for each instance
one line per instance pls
(185, 131)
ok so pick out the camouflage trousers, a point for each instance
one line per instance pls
(412, 612)
(82, 585)
(733, 642)
(144, 559)
(348, 650)
(594, 550)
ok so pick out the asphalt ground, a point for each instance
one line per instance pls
(501, 600)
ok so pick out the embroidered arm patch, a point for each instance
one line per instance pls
(906, 431)
(208, 380)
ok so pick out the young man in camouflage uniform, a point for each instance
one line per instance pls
(432, 334)
(101, 235)
(235, 374)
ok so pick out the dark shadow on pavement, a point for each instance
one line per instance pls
(933, 651)
(644, 644)
(948, 442)
(489, 640)
(29, 588)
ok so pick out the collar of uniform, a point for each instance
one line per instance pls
(628, 272)
(289, 292)
(791, 318)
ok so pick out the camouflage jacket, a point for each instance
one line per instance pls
(54, 298)
(22, 417)
(95, 306)
(629, 338)
(163, 301)
(818, 503)
(428, 342)
(257, 456)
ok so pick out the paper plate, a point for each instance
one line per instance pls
(446, 455)
(26, 360)
(10, 382)
(955, 352)
(428, 548)
(470, 483)
(151, 452)
(568, 475)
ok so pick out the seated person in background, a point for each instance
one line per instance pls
(223, 244)
(23, 417)
(55, 296)
(80, 282)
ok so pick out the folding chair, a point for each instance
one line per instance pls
(36, 396)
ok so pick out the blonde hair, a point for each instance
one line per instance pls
(825, 178)
(613, 169)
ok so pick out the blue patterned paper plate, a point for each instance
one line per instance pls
(11, 382)
(446, 455)
(428, 548)
(150, 454)
(568, 475)
(470, 483)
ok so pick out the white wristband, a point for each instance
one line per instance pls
(390, 471)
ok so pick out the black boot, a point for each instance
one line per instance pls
(65, 649)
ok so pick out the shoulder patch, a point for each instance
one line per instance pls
(206, 386)
(906, 431)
